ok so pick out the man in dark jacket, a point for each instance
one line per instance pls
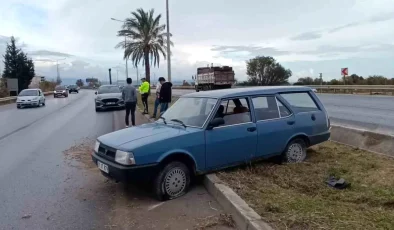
(165, 94)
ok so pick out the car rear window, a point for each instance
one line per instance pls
(301, 101)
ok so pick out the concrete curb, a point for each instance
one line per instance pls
(244, 216)
(363, 139)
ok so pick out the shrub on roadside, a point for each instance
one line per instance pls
(3, 90)
(46, 86)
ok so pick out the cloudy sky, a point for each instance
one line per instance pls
(307, 36)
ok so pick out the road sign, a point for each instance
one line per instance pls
(344, 71)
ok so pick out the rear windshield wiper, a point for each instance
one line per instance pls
(164, 120)
(179, 121)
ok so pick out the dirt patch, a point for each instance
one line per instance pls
(79, 155)
(373, 139)
(295, 196)
(212, 222)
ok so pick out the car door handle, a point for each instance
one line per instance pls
(290, 122)
(251, 129)
(313, 117)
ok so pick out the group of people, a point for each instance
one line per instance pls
(162, 97)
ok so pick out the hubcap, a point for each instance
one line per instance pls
(296, 153)
(175, 182)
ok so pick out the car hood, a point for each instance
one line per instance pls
(149, 133)
(109, 95)
(26, 98)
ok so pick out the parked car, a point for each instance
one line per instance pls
(60, 91)
(30, 97)
(108, 96)
(73, 88)
(211, 130)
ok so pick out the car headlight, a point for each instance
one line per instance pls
(124, 158)
(96, 146)
(64, 91)
(54, 91)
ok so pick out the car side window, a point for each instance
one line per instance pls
(302, 101)
(283, 110)
(265, 108)
(234, 111)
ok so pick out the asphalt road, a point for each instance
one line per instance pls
(373, 113)
(47, 179)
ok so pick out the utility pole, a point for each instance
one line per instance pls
(321, 82)
(110, 79)
(168, 44)
(125, 44)
(137, 74)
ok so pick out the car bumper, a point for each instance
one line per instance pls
(102, 105)
(33, 103)
(320, 138)
(123, 173)
(60, 94)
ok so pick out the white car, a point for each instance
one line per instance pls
(30, 98)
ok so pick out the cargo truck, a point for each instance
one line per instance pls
(214, 77)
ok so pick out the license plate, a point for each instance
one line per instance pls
(110, 103)
(102, 167)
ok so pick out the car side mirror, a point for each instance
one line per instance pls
(215, 123)
(95, 92)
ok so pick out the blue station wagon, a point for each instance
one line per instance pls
(207, 131)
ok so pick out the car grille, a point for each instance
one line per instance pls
(115, 100)
(107, 152)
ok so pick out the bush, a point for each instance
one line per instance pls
(3, 90)
(46, 86)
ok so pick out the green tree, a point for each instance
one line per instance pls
(146, 39)
(18, 65)
(266, 71)
(79, 82)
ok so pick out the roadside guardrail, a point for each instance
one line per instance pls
(347, 89)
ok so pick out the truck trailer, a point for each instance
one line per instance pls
(214, 77)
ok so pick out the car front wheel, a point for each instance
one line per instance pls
(295, 151)
(173, 181)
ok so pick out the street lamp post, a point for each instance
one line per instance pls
(168, 44)
(57, 68)
(127, 71)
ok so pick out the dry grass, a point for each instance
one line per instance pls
(151, 104)
(211, 222)
(295, 196)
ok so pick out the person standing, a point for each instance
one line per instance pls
(129, 96)
(144, 90)
(165, 94)
(157, 100)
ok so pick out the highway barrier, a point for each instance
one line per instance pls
(9, 100)
(346, 89)
(371, 141)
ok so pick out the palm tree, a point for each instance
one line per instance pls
(146, 41)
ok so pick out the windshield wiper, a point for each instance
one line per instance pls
(179, 121)
(164, 120)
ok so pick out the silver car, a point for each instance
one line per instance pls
(30, 98)
(108, 96)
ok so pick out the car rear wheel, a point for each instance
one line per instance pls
(172, 182)
(295, 151)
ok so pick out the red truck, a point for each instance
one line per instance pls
(214, 77)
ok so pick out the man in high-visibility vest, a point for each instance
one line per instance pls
(144, 90)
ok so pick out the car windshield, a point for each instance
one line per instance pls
(108, 89)
(72, 86)
(190, 111)
(60, 88)
(29, 93)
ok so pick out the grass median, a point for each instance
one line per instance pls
(295, 196)
(151, 104)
